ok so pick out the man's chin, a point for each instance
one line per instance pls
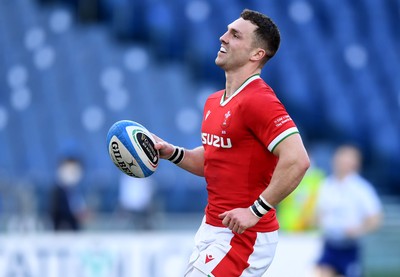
(219, 63)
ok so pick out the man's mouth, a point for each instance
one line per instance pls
(222, 49)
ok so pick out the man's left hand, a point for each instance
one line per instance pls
(239, 219)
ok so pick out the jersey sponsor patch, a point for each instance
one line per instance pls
(216, 141)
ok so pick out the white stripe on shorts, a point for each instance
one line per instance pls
(263, 255)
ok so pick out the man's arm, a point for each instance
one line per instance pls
(292, 165)
(369, 225)
(193, 160)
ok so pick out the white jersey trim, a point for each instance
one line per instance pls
(281, 137)
(223, 101)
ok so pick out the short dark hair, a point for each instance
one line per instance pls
(267, 34)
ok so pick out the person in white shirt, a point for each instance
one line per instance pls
(136, 200)
(348, 207)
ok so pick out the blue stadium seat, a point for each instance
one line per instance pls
(323, 93)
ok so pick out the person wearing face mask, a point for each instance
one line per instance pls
(68, 207)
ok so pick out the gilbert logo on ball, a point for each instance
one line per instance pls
(131, 148)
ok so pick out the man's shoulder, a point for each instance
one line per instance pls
(363, 184)
(358, 181)
(261, 90)
(260, 84)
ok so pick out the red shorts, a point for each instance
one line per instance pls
(219, 252)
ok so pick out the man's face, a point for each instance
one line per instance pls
(70, 173)
(346, 161)
(236, 45)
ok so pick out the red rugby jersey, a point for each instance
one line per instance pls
(238, 135)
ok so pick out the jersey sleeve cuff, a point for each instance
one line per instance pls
(281, 137)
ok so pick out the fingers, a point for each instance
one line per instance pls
(223, 215)
(156, 138)
(236, 227)
(239, 230)
(165, 149)
(159, 145)
(231, 223)
(159, 142)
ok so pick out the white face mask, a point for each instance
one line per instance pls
(69, 174)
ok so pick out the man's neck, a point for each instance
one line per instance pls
(235, 79)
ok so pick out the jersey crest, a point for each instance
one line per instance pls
(227, 120)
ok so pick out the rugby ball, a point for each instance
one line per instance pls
(131, 148)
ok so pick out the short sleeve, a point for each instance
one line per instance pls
(268, 119)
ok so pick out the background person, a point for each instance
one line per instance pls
(348, 208)
(137, 201)
(68, 207)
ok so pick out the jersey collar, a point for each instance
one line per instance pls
(224, 101)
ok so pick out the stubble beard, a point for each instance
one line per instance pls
(222, 63)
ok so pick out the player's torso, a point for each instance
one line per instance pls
(343, 203)
(222, 125)
(238, 166)
(230, 146)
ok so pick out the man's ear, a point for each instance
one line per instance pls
(258, 54)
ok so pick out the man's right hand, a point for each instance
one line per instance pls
(165, 149)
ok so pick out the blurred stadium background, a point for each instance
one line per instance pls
(70, 68)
